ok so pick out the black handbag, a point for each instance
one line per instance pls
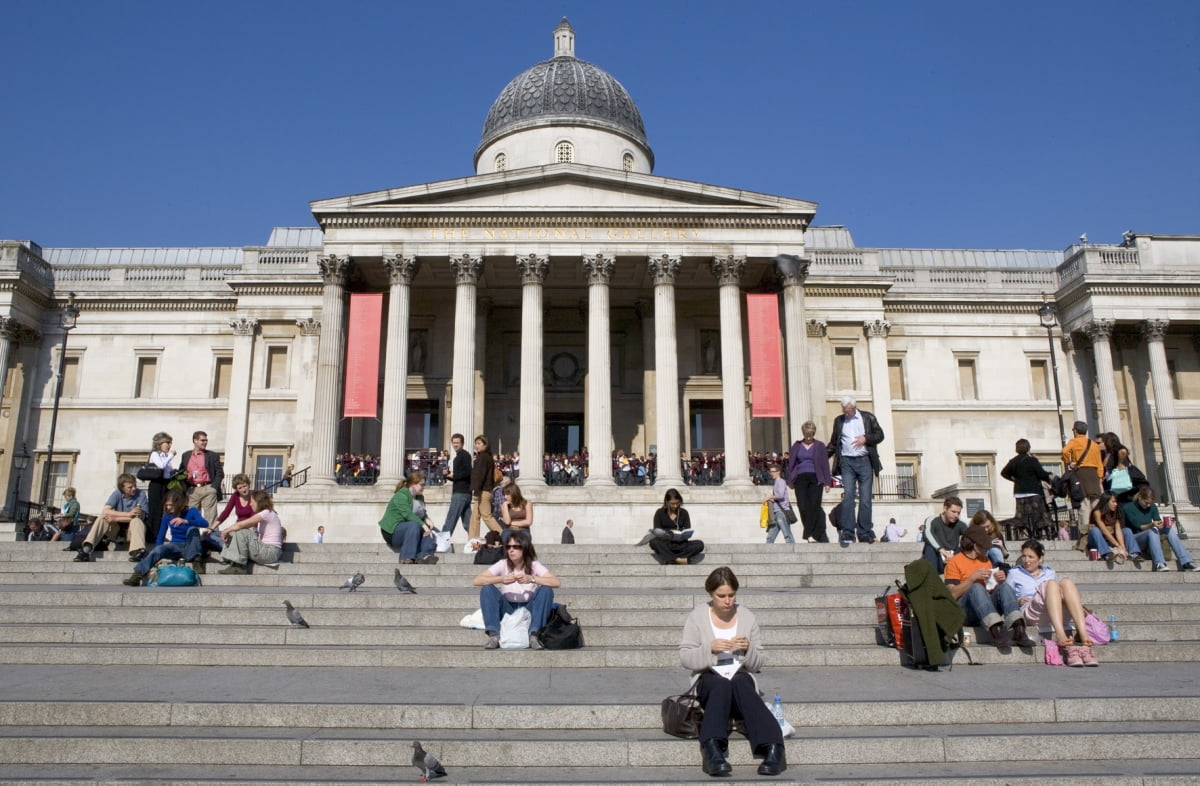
(682, 714)
(790, 515)
(149, 471)
(560, 632)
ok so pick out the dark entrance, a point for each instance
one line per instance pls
(564, 432)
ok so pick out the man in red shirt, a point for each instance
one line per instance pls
(969, 574)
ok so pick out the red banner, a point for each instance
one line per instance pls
(766, 358)
(362, 356)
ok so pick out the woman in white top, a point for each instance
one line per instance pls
(163, 457)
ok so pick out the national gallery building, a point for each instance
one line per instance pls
(566, 298)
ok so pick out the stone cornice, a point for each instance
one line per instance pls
(130, 304)
(940, 307)
(658, 219)
(307, 288)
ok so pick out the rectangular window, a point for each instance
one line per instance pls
(147, 373)
(896, 378)
(268, 471)
(975, 474)
(1040, 377)
(277, 368)
(906, 480)
(966, 380)
(60, 472)
(222, 374)
(843, 369)
(70, 371)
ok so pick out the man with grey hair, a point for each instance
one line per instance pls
(856, 432)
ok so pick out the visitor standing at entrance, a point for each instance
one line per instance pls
(459, 475)
(482, 481)
(856, 432)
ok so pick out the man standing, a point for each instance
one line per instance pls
(1083, 456)
(125, 505)
(856, 432)
(482, 481)
(943, 534)
(567, 535)
(459, 475)
(204, 476)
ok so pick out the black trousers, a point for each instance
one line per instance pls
(808, 502)
(724, 699)
(667, 551)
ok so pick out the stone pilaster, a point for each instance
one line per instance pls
(728, 272)
(307, 350)
(796, 349)
(330, 354)
(877, 332)
(1154, 331)
(598, 269)
(401, 271)
(237, 417)
(10, 333)
(1100, 331)
(467, 270)
(663, 270)
(533, 269)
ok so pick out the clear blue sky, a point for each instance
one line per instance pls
(916, 124)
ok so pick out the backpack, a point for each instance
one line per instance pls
(1067, 486)
(560, 632)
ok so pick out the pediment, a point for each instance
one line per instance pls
(569, 188)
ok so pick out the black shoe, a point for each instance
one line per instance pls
(428, 559)
(774, 760)
(134, 580)
(713, 757)
(1000, 636)
(85, 553)
(136, 556)
(1019, 637)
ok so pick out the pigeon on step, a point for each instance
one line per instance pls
(294, 616)
(354, 582)
(403, 585)
(427, 763)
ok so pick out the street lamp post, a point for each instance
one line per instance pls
(1046, 315)
(67, 318)
(20, 462)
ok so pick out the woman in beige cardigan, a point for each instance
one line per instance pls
(722, 647)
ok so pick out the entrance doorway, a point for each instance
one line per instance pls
(564, 432)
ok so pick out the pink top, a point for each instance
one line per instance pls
(517, 592)
(270, 529)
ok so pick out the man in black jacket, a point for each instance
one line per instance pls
(856, 432)
(482, 482)
(459, 475)
(204, 477)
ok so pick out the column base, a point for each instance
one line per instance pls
(739, 482)
(321, 481)
(599, 482)
(533, 482)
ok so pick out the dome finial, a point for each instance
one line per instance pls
(564, 39)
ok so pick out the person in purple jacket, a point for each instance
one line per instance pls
(808, 474)
(187, 528)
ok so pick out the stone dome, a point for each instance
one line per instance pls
(564, 91)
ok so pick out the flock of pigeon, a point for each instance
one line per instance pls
(422, 759)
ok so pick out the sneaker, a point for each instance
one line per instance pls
(812, 540)
(1190, 567)
(1088, 656)
(1160, 566)
(234, 569)
(1074, 656)
(428, 559)
(493, 642)
(1136, 556)
(136, 556)
(534, 642)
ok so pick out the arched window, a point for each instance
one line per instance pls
(501, 162)
(627, 162)
(564, 153)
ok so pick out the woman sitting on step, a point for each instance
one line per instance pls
(405, 525)
(722, 646)
(515, 511)
(1044, 597)
(665, 541)
(518, 580)
(256, 539)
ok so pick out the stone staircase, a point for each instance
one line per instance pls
(109, 684)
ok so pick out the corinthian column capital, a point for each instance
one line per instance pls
(792, 269)
(243, 326)
(878, 328)
(598, 267)
(309, 326)
(533, 268)
(401, 269)
(467, 269)
(816, 328)
(1100, 329)
(1155, 329)
(663, 268)
(334, 269)
(728, 269)
(10, 329)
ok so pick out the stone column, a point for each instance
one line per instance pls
(881, 389)
(796, 350)
(330, 369)
(466, 269)
(1153, 330)
(817, 374)
(533, 269)
(401, 270)
(644, 308)
(10, 333)
(728, 272)
(308, 348)
(663, 270)
(599, 268)
(238, 415)
(1100, 332)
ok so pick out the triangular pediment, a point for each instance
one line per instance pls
(570, 188)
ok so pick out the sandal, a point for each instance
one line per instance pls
(1120, 559)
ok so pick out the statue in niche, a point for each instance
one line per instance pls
(417, 352)
(710, 352)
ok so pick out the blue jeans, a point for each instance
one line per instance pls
(858, 481)
(460, 510)
(987, 608)
(779, 522)
(995, 556)
(494, 606)
(1096, 541)
(1148, 540)
(189, 550)
(409, 542)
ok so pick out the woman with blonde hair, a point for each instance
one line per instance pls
(807, 472)
(162, 456)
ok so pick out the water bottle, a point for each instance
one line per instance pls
(1113, 633)
(777, 710)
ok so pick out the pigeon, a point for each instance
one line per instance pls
(354, 582)
(294, 616)
(403, 585)
(427, 763)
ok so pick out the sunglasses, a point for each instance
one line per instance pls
(515, 546)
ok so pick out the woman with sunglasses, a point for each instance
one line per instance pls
(516, 581)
